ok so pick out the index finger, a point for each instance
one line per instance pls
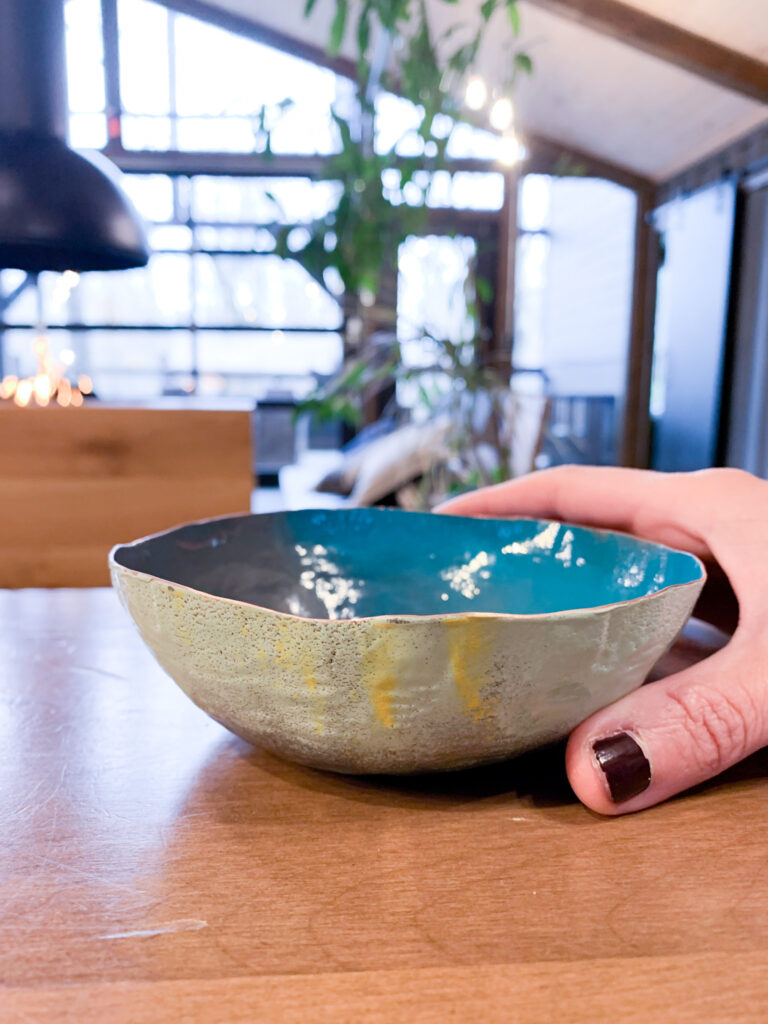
(633, 500)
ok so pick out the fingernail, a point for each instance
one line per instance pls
(624, 765)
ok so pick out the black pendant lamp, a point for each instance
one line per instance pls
(59, 210)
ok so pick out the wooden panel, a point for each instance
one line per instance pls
(155, 868)
(77, 481)
(704, 57)
(636, 419)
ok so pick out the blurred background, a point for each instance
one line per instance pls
(421, 247)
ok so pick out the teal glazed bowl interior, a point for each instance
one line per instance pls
(373, 640)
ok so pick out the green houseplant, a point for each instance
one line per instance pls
(382, 200)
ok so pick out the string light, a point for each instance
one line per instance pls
(476, 94)
(49, 383)
(502, 113)
(511, 150)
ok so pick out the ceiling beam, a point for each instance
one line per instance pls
(701, 56)
(548, 156)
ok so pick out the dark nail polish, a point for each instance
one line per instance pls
(625, 766)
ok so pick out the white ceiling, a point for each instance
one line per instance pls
(591, 91)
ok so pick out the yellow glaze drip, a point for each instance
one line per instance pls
(300, 659)
(279, 649)
(178, 611)
(380, 679)
(467, 640)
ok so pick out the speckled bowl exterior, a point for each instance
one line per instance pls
(396, 693)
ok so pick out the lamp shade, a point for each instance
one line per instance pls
(59, 210)
(62, 211)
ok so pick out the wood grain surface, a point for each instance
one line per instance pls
(78, 481)
(155, 868)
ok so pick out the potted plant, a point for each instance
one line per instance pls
(382, 201)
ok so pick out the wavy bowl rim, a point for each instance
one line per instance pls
(393, 618)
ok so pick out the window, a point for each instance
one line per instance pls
(85, 74)
(189, 85)
(216, 312)
(431, 304)
(225, 319)
(573, 305)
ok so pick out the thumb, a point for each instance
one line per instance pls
(672, 734)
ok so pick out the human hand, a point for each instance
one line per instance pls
(679, 731)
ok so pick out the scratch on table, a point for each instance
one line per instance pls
(187, 924)
(103, 879)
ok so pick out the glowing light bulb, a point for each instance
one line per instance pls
(511, 151)
(476, 94)
(23, 392)
(501, 114)
(42, 388)
(64, 392)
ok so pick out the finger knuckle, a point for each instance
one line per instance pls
(724, 475)
(718, 725)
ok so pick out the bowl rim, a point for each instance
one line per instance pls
(394, 618)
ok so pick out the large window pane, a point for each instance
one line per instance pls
(85, 74)
(87, 131)
(85, 56)
(464, 190)
(211, 236)
(251, 354)
(146, 132)
(144, 64)
(219, 134)
(432, 281)
(214, 84)
(530, 303)
(152, 194)
(221, 74)
(261, 290)
(142, 365)
(534, 202)
(121, 364)
(397, 121)
(137, 364)
(572, 307)
(156, 294)
(261, 200)
(431, 288)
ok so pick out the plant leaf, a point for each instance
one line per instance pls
(513, 13)
(308, 7)
(524, 63)
(339, 26)
(364, 31)
(487, 9)
(484, 289)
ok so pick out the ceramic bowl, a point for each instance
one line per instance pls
(373, 640)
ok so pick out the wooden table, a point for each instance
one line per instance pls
(155, 868)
